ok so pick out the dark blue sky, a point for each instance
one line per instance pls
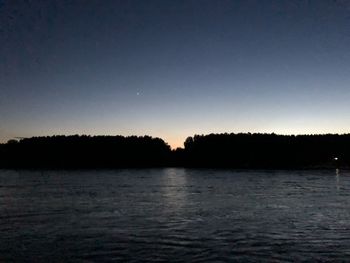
(174, 68)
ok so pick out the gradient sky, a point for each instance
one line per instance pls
(174, 68)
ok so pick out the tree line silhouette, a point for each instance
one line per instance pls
(243, 150)
(85, 152)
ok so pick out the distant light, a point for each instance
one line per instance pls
(336, 158)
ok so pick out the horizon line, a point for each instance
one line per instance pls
(19, 138)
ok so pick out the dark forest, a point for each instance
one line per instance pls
(243, 150)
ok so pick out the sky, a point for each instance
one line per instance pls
(173, 68)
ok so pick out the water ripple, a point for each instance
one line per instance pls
(175, 215)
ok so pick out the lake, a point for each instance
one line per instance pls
(174, 215)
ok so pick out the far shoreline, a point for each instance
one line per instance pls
(243, 151)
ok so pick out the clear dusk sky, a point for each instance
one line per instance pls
(173, 68)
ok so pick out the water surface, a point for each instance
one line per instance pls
(174, 215)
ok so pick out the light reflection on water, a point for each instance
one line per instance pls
(337, 178)
(174, 215)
